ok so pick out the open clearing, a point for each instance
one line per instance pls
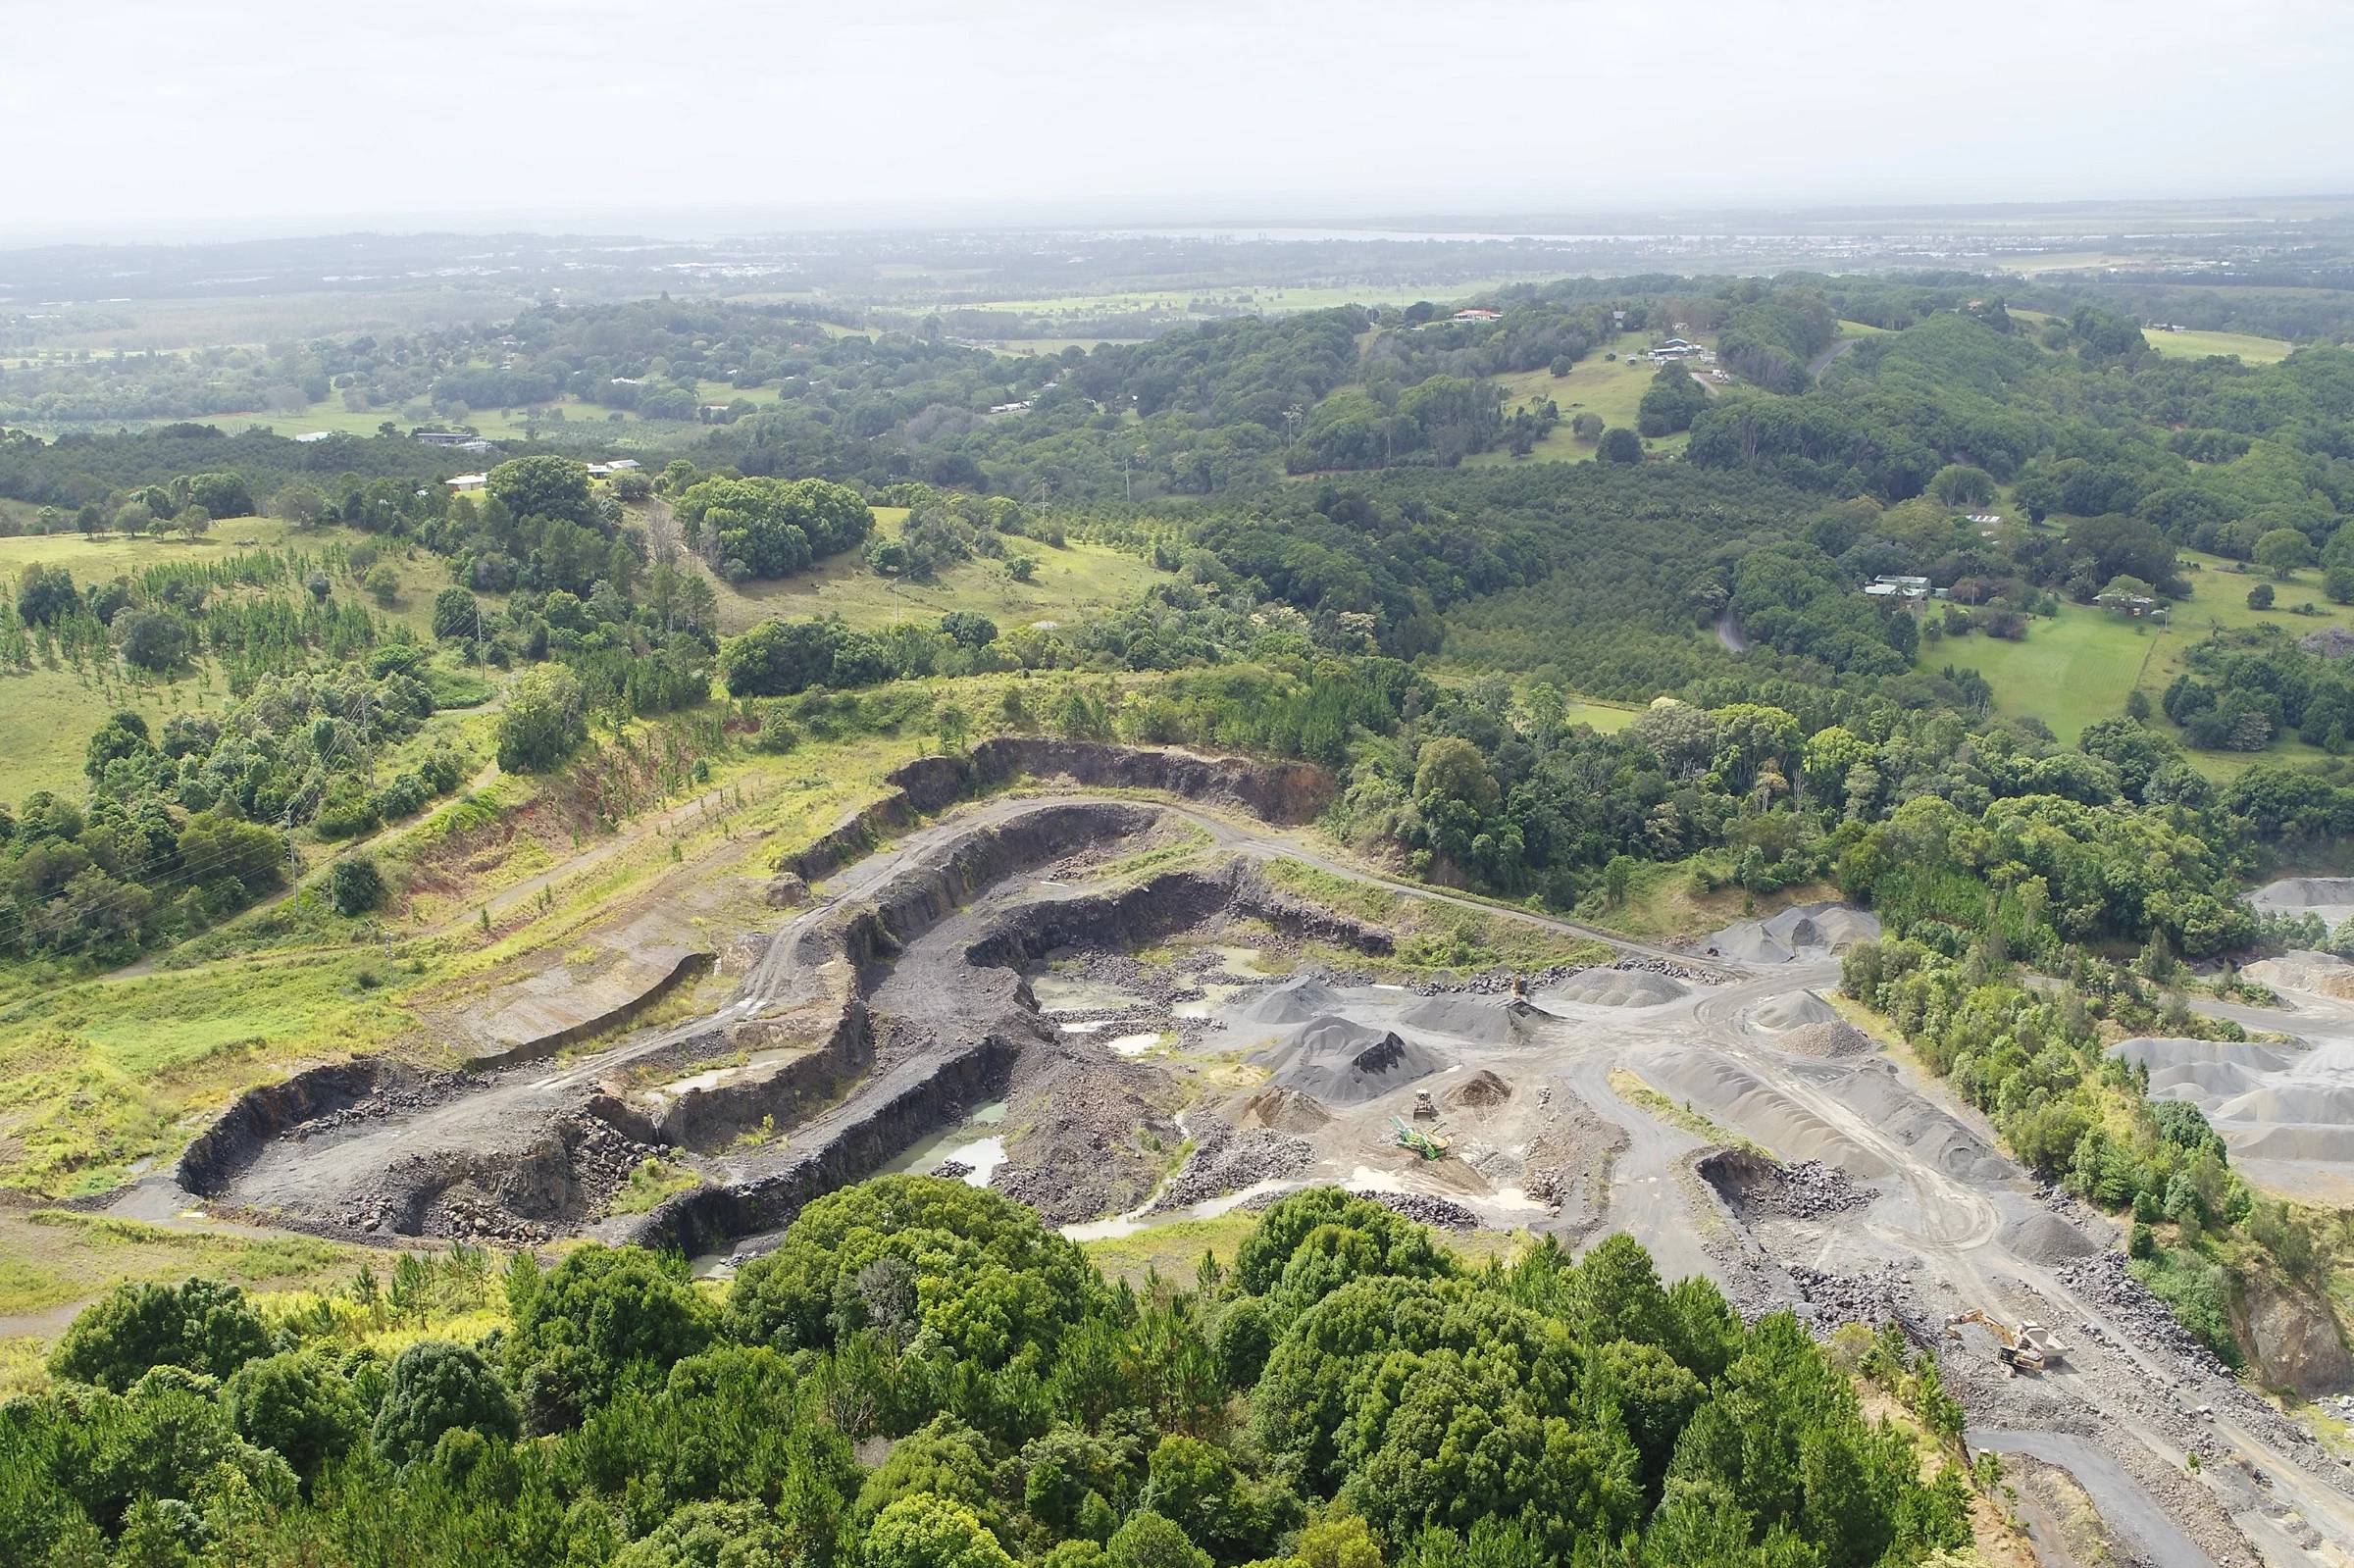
(2080, 665)
(1595, 385)
(2195, 344)
(1074, 583)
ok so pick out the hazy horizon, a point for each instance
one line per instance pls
(524, 112)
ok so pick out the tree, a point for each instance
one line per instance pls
(714, 1535)
(545, 721)
(1961, 484)
(383, 583)
(2338, 583)
(2260, 597)
(1586, 425)
(296, 1404)
(304, 505)
(778, 658)
(926, 1531)
(601, 1314)
(1620, 445)
(456, 614)
(201, 1325)
(354, 885)
(45, 594)
(438, 1387)
(543, 487)
(154, 639)
(2282, 551)
(1148, 1540)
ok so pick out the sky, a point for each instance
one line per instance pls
(128, 119)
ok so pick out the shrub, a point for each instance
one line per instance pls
(201, 1325)
(355, 885)
(436, 1387)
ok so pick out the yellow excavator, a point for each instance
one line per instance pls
(2030, 1348)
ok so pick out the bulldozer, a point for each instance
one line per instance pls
(1427, 1146)
(2030, 1348)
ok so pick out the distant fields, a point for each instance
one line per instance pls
(2246, 346)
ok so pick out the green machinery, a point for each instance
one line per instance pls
(1428, 1145)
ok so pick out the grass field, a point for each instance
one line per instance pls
(1072, 583)
(1612, 388)
(2244, 346)
(47, 716)
(2080, 665)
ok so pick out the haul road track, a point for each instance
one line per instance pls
(905, 1002)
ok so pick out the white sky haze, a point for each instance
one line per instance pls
(125, 113)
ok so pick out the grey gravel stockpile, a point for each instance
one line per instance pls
(1425, 1208)
(1482, 1020)
(2048, 1240)
(1294, 1001)
(1835, 1040)
(1616, 987)
(1341, 1063)
(1227, 1159)
(1795, 1010)
(1872, 1297)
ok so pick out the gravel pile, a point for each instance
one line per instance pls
(2127, 1306)
(1872, 1298)
(1424, 1208)
(1809, 1190)
(951, 1169)
(1832, 1042)
(1225, 1160)
(434, 1090)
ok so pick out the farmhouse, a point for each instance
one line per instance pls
(621, 465)
(1477, 313)
(468, 482)
(308, 436)
(443, 437)
(1908, 589)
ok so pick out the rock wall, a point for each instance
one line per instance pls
(1277, 791)
(219, 1152)
(912, 1102)
(2294, 1340)
(706, 1120)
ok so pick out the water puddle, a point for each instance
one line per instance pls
(1143, 1219)
(1134, 1044)
(1212, 996)
(664, 1094)
(1246, 962)
(963, 1143)
(1089, 1026)
(1081, 993)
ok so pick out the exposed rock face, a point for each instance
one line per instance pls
(785, 891)
(2295, 1340)
(1279, 791)
(2330, 642)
